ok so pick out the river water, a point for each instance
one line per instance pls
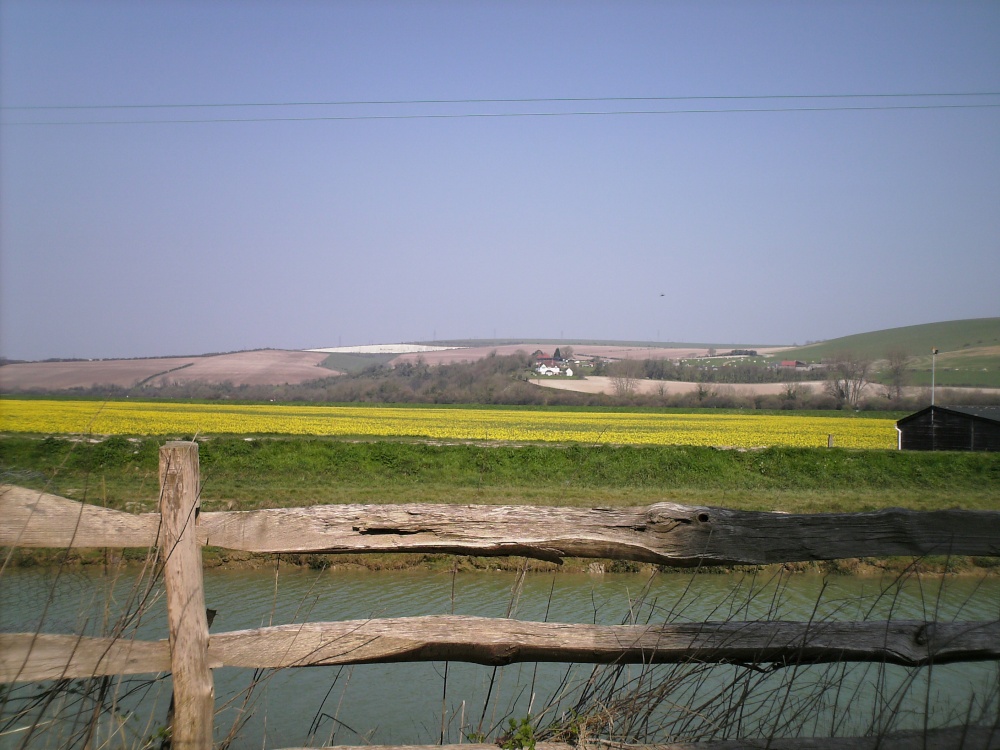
(425, 702)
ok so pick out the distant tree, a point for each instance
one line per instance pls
(661, 369)
(703, 391)
(897, 372)
(556, 355)
(847, 377)
(567, 352)
(625, 376)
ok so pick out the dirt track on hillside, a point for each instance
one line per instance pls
(266, 367)
(59, 375)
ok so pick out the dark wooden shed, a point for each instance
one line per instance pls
(951, 428)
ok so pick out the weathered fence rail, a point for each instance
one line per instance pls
(482, 640)
(663, 533)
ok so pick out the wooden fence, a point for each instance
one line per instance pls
(663, 533)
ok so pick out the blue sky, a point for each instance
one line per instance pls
(216, 228)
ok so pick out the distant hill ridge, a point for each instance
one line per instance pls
(968, 350)
(946, 337)
(969, 355)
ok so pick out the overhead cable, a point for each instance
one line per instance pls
(521, 114)
(539, 100)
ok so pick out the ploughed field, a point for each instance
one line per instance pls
(601, 427)
(261, 367)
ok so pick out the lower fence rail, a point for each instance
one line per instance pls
(30, 657)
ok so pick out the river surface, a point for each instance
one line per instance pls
(425, 702)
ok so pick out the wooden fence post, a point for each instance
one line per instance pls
(194, 690)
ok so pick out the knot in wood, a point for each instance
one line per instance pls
(925, 634)
(501, 655)
(668, 516)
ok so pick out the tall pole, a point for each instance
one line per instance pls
(933, 364)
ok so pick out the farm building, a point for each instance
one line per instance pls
(951, 428)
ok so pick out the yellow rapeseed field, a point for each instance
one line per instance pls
(466, 423)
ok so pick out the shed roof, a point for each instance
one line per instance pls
(988, 413)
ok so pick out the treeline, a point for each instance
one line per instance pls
(731, 371)
(505, 380)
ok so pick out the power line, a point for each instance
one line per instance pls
(554, 100)
(471, 115)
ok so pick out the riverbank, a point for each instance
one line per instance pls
(215, 558)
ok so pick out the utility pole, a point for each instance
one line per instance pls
(933, 364)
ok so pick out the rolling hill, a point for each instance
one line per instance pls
(968, 350)
(969, 355)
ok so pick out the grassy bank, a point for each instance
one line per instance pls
(244, 474)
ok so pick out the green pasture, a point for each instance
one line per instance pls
(972, 368)
(949, 336)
